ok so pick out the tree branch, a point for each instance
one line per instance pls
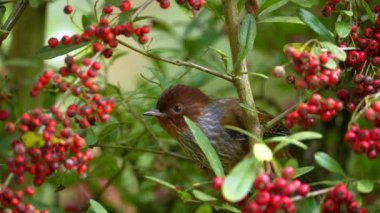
(171, 154)
(12, 19)
(141, 8)
(241, 80)
(178, 63)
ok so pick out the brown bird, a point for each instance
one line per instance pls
(211, 115)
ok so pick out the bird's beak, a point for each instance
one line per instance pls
(154, 112)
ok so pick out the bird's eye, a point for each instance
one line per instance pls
(177, 108)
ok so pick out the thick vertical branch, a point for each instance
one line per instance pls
(241, 81)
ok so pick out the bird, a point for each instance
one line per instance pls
(211, 115)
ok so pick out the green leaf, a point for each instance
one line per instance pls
(2, 12)
(311, 21)
(203, 196)
(282, 19)
(368, 10)
(227, 207)
(206, 147)
(262, 152)
(306, 135)
(96, 207)
(286, 141)
(338, 52)
(239, 182)
(91, 139)
(303, 3)
(270, 6)
(47, 52)
(224, 57)
(365, 186)
(162, 182)
(327, 162)
(242, 131)
(205, 208)
(215, 6)
(246, 37)
(331, 64)
(185, 196)
(35, 3)
(258, 75)
(303, 170)
(115, 3)
(86, 21)
(348, 13)
(110, 132)
(343, 29)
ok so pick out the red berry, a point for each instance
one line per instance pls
(4, 114)
(68, 9)
(288, 173)
(97, 47)
(217, 183)
(29, 191)
(53, 42)
(108, 9)
(66, 40)
(125, 5)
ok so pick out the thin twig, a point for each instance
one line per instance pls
(12, 19)
(279, 117)
(178, 63)
(312, 194)
(112, 179)
(141, 8)
(171, 154)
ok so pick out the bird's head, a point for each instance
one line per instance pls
(175, 103)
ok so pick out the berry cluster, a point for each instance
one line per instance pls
(364, 85)
(304, 115)
(340, 199)
(14, 199)
(367, 42)
(331, 5)
(195, 5)
(43, 148)
(311, 70)
(364, 140)
(104, 34)
(271, 195)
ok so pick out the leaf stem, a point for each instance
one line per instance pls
(178, 63)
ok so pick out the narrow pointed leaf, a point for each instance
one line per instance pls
(162, 182)
(368, 10)
(306, 135)
(47, 52)
(327, 162)
(206, 147)
(303, 170)
(203, 196)
(96, 207)
(239, 182)
(270, 6)
(311, 21)
(282, 19)
(246, 37)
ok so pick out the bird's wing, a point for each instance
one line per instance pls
(233, 116)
